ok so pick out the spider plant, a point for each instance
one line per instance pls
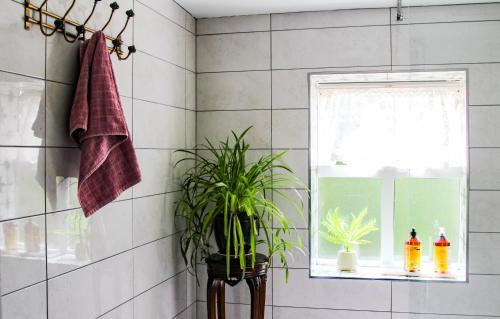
(339, 232)
(222, 182)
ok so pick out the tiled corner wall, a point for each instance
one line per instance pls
(252, 70)
(123, 262)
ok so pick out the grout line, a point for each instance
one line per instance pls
(45, 184)
(390, 36)
(334, 69)
(113, 255)
(132, 188)
(391, 298)
(390, 25)
(237, 110)
(135, 296)
(162, 104)
(164, 60)
(271, 142)
(25, 287)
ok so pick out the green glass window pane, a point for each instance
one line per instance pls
(350, 195)
(427, 204)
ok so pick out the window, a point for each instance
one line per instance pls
(394, 144)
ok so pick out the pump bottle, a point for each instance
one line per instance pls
(413, 252)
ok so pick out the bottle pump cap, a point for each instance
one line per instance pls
(413, 232)
(441, 231)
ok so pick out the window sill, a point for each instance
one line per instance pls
(386, 273)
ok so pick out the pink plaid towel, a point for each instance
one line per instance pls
(108, 163)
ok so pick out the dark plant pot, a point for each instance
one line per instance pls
(220, 239)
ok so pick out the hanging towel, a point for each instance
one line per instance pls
(108, 163)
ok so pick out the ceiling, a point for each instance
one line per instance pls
(221, 8)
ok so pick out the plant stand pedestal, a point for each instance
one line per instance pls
(217, 278)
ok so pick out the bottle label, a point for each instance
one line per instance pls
(441, 259)
(412, 258)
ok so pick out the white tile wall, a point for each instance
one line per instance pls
(234, 90)
(165, 300)
(233, 52)
(23, 55)
(483, 211)
(125, 257)
(296, 312)
(330, 293)
(445, 43)
(337, 47)
(209, 125)
(92, 290)
(429, 38)
(27, 303)
(234, 24)
(328, 19)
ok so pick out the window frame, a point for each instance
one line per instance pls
(388, 183)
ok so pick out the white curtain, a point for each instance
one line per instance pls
(402, 127)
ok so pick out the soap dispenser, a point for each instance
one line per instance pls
(441, 253)
(413, 252)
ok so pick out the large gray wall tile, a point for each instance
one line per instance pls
(483, 253)
(85, 241)
(209, 125)
(163, 301)
(28, 303)
(484, 215)
(22, 101)
(22, 264)
(325, 19)
(443, 43)
(483, 126)
(171, 48)
(233, 52)
(477, 297)
(25, 52)
(156, 262)
(234, 24)
(234, 90)
(471, 12)
(101, 287)
(158, 81)
(330, 293)
(290, 128)
(485, 168)
(309, 313)
(22, 171)
(337, 47)
(158, 126)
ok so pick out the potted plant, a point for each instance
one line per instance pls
(339, 232)
(227, 197)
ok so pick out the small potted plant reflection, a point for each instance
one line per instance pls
(339, 231)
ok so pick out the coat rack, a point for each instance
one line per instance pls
(61, 25)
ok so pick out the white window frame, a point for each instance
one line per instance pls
(319, 81)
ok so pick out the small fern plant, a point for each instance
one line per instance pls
(339, 232)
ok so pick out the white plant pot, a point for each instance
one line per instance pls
(347, 261)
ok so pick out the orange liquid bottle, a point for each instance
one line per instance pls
(441, 254)
(413, 252)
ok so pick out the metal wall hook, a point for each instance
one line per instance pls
(40, 15)
(60, 25)
(131, 50)
(114, 6)
(130, 14)
(80, 29)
